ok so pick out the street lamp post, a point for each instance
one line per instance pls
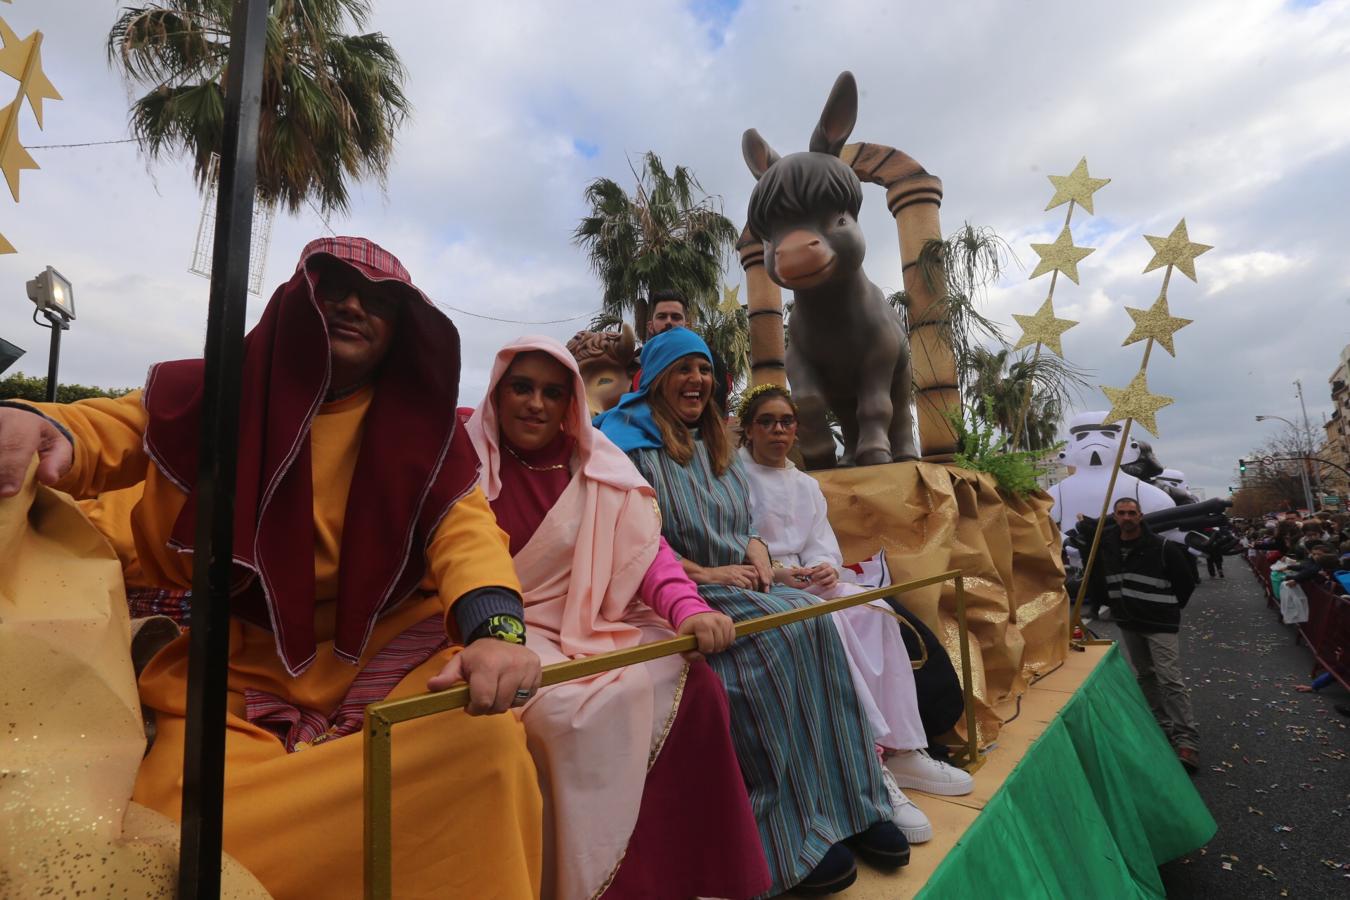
(1303, 469)
(54, 297)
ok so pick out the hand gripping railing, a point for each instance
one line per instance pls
(382, 717)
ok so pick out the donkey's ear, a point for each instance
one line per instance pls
(839, 116)
(757, 152)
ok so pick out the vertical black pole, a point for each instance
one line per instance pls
(204, 754)
(53, 355)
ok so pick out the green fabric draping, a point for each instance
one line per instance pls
(1098, 802)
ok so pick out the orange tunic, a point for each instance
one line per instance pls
(466, 802)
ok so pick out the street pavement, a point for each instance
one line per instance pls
(1274, 770)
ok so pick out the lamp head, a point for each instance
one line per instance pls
(52, 291)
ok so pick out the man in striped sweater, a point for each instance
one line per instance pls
(1146, 581)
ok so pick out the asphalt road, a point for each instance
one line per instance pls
(1275, 767)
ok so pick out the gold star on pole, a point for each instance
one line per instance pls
(1156, 322)
(6, 246)
(14, 60)
(1043, 328)
(1135, 402)
(1077, 186)
(13, 157)
(1176, 249)
(1062, 255)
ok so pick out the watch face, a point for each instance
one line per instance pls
(507, 628)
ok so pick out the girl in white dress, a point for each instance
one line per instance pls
(790, 515)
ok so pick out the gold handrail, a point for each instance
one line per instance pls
(380, 718)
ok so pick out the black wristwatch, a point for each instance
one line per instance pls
(501, 627)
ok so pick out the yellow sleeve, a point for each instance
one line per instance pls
(109, 443)
(469, 551)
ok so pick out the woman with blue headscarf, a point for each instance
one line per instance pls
(800, 733)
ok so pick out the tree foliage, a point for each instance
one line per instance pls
(34, 390)
(668, 234)
(981, 449)
(331, 101)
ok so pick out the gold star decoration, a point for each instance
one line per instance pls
(1062, 255)
(731, 299)
(1156, 322)
(1077, 186)
(13, 157)
(1135, 402)
(1043, 328)
(13, 61)
(1176, 249)
(6, 246)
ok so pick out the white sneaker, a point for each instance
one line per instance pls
(916, 769)
(911, 821)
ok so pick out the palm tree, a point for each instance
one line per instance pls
(669, 234)
(726, 329)
(997, 386)
(331, 101)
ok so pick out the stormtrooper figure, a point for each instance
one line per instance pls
(1173, 481)
(1091, 451)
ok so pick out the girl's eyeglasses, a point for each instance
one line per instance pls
(787, 423)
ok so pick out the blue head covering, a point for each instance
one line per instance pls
(630, 424)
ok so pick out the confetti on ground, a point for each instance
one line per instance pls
(1264, 871)
(1253, 809)
(1284, 828)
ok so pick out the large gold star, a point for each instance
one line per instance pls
(1076, 186)
(1156, 322)
(1176, 249)
(6, 246)
(14, 59)
(13, 157)
(1062, 255)
(1043, 328)
(1135, 402)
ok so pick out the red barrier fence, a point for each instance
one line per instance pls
(1327, 631)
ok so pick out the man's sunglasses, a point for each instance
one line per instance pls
(335, 285)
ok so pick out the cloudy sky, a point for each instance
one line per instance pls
(1231, 114)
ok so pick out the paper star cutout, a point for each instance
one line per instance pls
(1177, 250)
(1156, 322)
(14, 59)
(1062, 255)
(731, 299)
(1076, 186)
(1135, 402)
(1043, 328)
(13, 157)
(6, 246)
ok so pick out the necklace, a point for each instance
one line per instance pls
(552, 468)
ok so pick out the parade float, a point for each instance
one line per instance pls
(1062, 739)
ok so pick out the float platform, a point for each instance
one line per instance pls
(1081, 796)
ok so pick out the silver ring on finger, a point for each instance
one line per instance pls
(522, 697)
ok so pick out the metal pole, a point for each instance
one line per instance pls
(204, 750)
(53, 353)
(1307, 439)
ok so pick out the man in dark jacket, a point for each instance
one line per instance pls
(1146, 581)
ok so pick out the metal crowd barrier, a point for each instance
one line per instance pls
(381, 718)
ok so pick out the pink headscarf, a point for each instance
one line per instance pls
(599, 459)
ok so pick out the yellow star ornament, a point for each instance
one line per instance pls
(6, 246)
(1177, 249)
(14, 60)
(1156, 322)
(1135, 402)
(1043, 328)
(13, 157)
(1060, 256)
(1076, 186)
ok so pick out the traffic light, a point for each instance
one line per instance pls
(1242, 465)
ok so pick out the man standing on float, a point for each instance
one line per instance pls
(367, 562)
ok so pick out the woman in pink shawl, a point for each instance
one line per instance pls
(643, 795)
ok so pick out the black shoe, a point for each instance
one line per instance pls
(883, 845)
(831, 875)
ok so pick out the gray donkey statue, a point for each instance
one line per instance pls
(847, 349)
